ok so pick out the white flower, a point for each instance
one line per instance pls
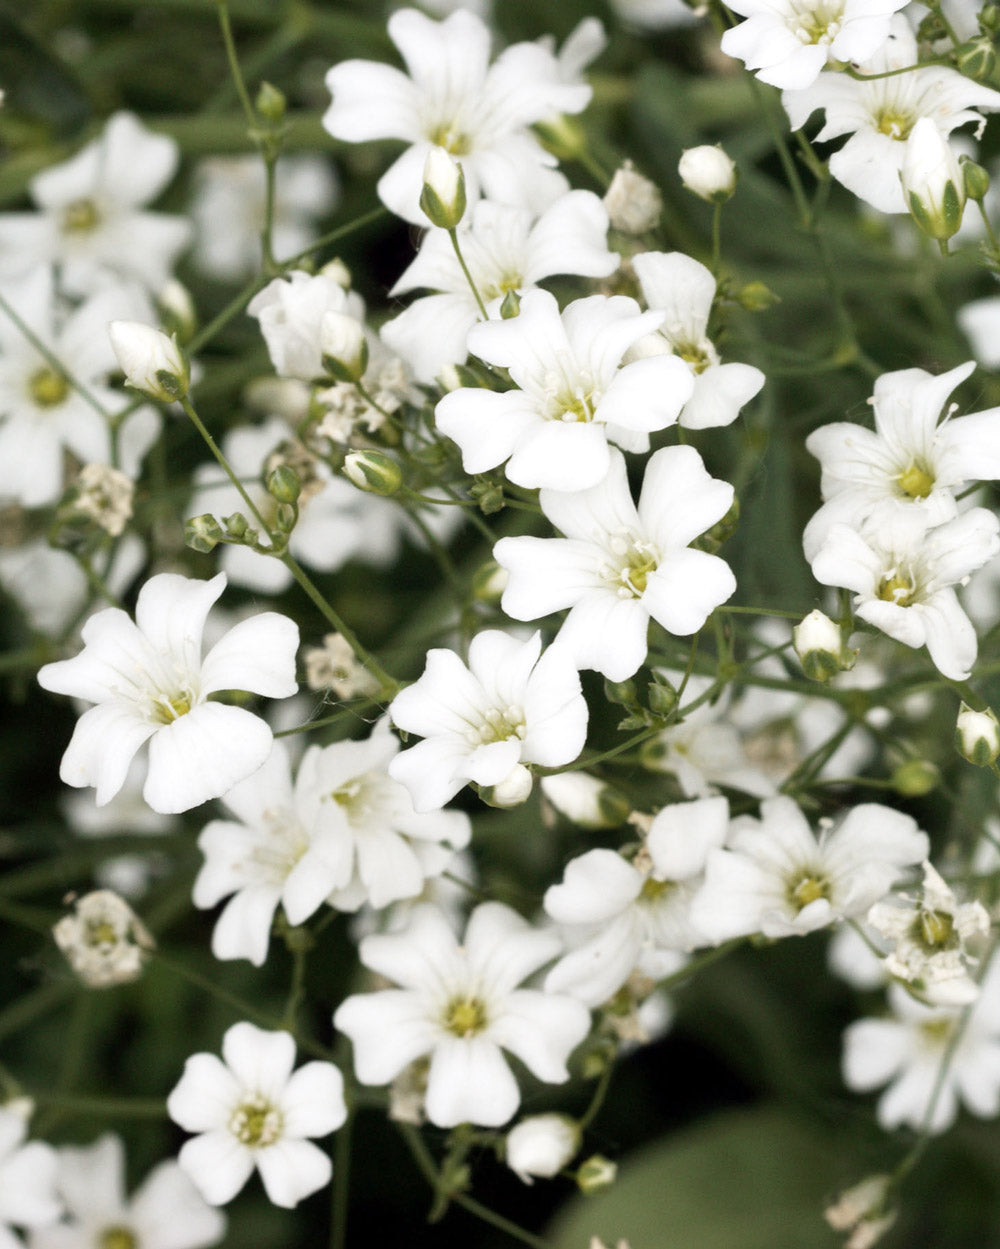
(980, 323)
(42, 414)
(541, 1145)
(344, 833)
(633, 202)
(684, 290)
(511, 706)
(933, 185)
(460, 1004)
(585, 800)
(230, 202)
(90, 220)
(929, 936)
(907, 1051)
(290, 312)
(334, 666)
(788, 42)
(776, 877)
(150, 683)
(28, 1197)
(252, 1111)
(620, 565)
(655, 14)
(453, 98)
(916, 460)
(879, 115)
(977, 735)
(571, 395)
(151, 362)
(622, 916)
(165, 1212)
(505, 250)
(103, 939)
(708, 172)
(902, 578)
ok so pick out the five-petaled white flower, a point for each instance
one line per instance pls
(511, 706)
(150, 683)
(460, 1004)
(571, 396)
(620, 565)
(252, 1111)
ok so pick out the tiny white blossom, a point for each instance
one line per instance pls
(104, 940)
(151, 362)
(150, 683)
(290, 312)
(708, 172)
(541, 1145)
(460, 1005)
(28, 1197)
(252, 1111)
(633, 202)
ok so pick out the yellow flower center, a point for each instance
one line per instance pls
(256, 1122)
(101, 932)
(937, 1031)
(897, 588)
(916, 482)
(935, 929)
(446, 135)
(808, 889)
(653, 889)
(170, 707)
(117, 1238)
(48, 388)
(892, 122)
(694, 355)
(80, 217)
(465, 1016)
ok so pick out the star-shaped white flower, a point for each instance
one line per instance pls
(150, 683)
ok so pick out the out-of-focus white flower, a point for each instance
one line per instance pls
(929, 937)
(819, 644)
(453, 98)
(334, 666)
(863, 1211)
(90, 221)
(933, 186)
(633, 203)
(28, 1197)
(587, 801)
(511, 706)
(788, 42)
(104, 940)
(253, 1111)
(151, 362)
(460, 1004)
(777, 878)
(620, 565)
(290, 312)
(980, 323)
(708, 172)
(541, 1145)
(903, 577)
(907, 1052)
(684, 291)
(571, 396)
(342, 346)
(150, 683)
(879, 115)
(229, 206)
(656, 14)
(505, 250)
(165, 1212)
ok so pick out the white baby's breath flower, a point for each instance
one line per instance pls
(633, 202)
(334, 666)
(541, 1145)
(252, 1111)
(28, 1197)
(104, 940)
(104, 495)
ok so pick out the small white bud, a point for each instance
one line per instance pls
(177, 310)
(443, 196)
(933, 186)
(338, 271)
(862, 1211)
(819, 644)
(541, 1145)
(514, 789)
(633, 203)
(373, 471)
(977, 736)
(585, 800)
(343, 346)
(151, 362)
(708, 172)
(596, 1173)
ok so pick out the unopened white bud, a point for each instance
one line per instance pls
(819, 644)
(177, 310)
(104, 940)
(338, 271)
(862, 1211)
(596, 1173)
(373, 471)
(977, 736)
(708, 172)
(343, 346)
(541, 1145)
(443, 196)
(633, 203)
(151, 362)
(585, 800)
(514, 789)
(933, 186)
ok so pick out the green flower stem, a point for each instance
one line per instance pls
(851, 72)
(716, 240)
(33, 1005)
(234, 64)
(453, 235)
(75, 1043)
(695, 965)
(62, 870)
(994, 243)
(340, 1191)
(597, 1099)
(224, 464)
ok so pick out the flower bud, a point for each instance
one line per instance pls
(977, 736)
(756, 297)
(284, 484)
(177, 311)
(489, 582)
(933, 186)
(373, 471)
(541, 1145)
(338, 272)
(203, 533)
(343, 347)
(271, 103)
(511, 306)
(863, 1211)
(562, 136)
(443, 196)
(819, 644)
(585, 800)
(977, 59)
(596, 1173)
(915, 777)
(975, 179)
(633, 203)
(514, 789)
(989, 19)
(708, 172)
(151, 362)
